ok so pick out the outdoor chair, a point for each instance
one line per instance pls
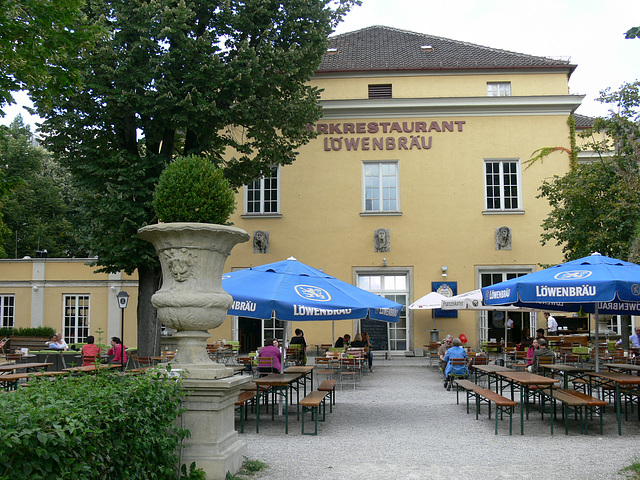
(349, 369)
(325, 367)
(14, 357)
(294, 355)
(433, 353)
(89, 360)
(265, 366)
(247, 362)
(543, 361)
(145, 362)
(455, 362)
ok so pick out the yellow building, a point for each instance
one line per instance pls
(425, 141)
(67, 295)
(419, 162)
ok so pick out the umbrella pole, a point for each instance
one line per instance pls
(596, 326)
(333, 332)
(504, 349)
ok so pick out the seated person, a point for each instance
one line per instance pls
(90, 352)
(357, 342)
(270, 349)
(62, 342)
(339, 343)
(442, 351)
(530, 351)
(53, 342)
(456, 351)
(542, 351)
(300, 340)
(118, 350)
(634, 340)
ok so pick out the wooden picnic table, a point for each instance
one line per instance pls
(567, 371)
(92, 368)
(10, 381)
(526, 381)
(621, 381)
(307, 373)
(279, 385)
(12, 367)
(624, 367)
(490, 371)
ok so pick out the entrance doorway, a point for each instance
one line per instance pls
(250, 334)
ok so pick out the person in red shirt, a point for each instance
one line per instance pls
(90, 351)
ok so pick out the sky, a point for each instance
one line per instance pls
(589, 32)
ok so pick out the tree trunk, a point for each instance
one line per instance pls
(148, 324)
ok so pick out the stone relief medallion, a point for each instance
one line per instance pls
(180, 263)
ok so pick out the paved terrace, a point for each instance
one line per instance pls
(400, 423)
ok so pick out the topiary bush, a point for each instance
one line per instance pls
(88, 427)
(192, 189)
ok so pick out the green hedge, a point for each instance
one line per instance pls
(87, 427)
(27, 332)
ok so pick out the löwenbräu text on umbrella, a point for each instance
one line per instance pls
(244, 306)
(302, 310)
(578, 291)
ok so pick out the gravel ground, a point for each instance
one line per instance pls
(401, 423)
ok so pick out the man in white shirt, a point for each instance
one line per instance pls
(552, 325)
(634, 340)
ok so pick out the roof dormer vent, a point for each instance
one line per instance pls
(426, 48)
(332, 50)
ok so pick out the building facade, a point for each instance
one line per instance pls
(417, 181)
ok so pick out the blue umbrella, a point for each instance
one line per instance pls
(297, 292)
(594, 284)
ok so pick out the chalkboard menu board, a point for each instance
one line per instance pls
(377, 331)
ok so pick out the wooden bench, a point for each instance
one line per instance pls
(468, 386)
(330, 387)
(311, 403)
(592, 403)
(241, 405)
(503, 405)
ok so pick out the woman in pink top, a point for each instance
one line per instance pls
(118, 350)
(534, 346)
(90, 351)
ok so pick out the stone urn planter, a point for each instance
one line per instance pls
(191, 300)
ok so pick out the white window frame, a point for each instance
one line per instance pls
(405, 325)
(7, 311)
(76, 318)
(262, 187)
(498, 89)
(276, 330)
(501, 175)
(380, 190)
(506, 272)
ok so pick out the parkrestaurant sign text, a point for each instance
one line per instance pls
(374, 135)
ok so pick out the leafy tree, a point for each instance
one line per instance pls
(39, 210)
(224, 80)
(36, 37)
(632, 33)
(596, 206)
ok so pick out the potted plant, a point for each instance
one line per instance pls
(193, 202)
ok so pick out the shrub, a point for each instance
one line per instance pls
(27, 332)
(91, 427)
(192, 189)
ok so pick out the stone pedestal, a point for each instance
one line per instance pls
(214, 443)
